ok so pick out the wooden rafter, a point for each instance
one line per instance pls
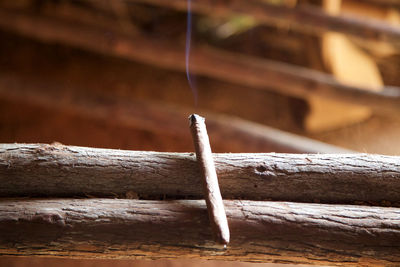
(239, 69)
(302, 18)
(228, 134)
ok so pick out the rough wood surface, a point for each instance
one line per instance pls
(239, 69)
(57, 170)
(227, 134)
(260, 231)
(304, 17)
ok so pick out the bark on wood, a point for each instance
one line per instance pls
(304, 17)
(57, 170)
(261, 231)
(238, 69)
(227, 134)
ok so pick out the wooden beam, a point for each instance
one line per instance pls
(280, 232)
(384, 3)
(227, 134)
(58, 170)
(303, 18)
(239, 69)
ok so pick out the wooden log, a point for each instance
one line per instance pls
(230, 67)
(280, 232)
(303, 18)
(58, 170)
(227, 134)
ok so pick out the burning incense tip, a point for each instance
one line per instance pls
(212, 194)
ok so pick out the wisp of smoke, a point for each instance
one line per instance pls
(187, 51)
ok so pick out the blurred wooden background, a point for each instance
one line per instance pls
(79, 65)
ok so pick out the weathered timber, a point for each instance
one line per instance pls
(228, 134)
(57, 170)
(302, 18)
(239, 69)
(260, 231)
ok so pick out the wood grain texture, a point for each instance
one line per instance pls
(260, 231)
(57, 170)
(242, 70)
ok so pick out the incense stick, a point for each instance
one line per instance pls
(212, 194)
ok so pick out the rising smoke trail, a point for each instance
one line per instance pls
(187, 50)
